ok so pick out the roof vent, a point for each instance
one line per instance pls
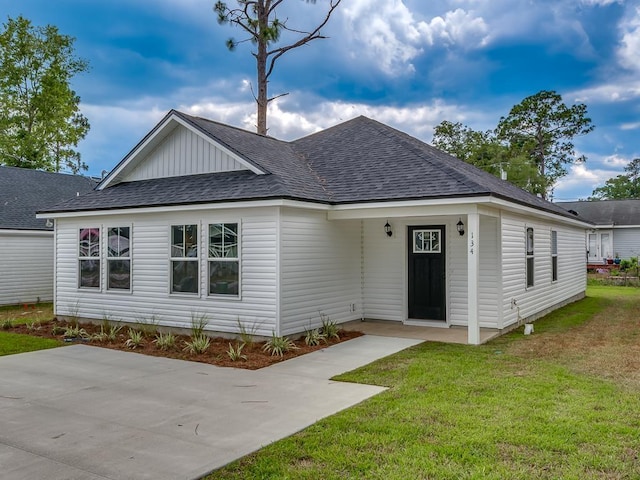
(573, 212)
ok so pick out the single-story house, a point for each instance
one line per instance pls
(358, 221)
(26, 243)
(616, 229)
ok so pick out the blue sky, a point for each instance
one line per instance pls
(410, 64)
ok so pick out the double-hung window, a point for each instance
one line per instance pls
(554, 255)
(184, 259)
(224, 259)
(119, 258)
(529, 257)
(89, 258)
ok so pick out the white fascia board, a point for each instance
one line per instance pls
(159, 133)
(620, 226)
(189, 208)
(534, 212)
(414, 208)
(29, 233)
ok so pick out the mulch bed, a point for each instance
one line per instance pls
(216, 354)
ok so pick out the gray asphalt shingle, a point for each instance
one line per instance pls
(606, 212)
(24, 191)
(360, 160)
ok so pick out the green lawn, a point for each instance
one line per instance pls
(561, 403)
(11, 343)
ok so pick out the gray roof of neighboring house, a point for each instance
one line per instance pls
(24, 191)
(357, 161)
(606, 212)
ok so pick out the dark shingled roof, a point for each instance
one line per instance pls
(606, 212)
(357, 161)
(24, 191)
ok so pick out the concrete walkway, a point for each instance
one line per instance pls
(82, 412)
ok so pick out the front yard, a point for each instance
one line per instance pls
(562, 403)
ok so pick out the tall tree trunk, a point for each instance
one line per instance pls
(261, 59)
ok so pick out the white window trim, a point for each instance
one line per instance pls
(195, 259)
(208, 259)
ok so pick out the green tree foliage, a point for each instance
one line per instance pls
(40, 122)
(622, 186)
(260, 23)
(532, 144)
(543, 127)
(485, 151)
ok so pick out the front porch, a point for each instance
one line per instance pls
(385, 328)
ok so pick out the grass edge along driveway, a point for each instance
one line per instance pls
(496, 411)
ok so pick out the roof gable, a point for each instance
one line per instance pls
(177, 147)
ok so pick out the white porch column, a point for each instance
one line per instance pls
(473, 268)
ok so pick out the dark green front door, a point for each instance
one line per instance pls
(427, 292)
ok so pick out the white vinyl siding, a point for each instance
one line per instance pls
(320, 269)
(520, 302)
(183, 152)
(150, 295)
(26, 267)
(626, 242)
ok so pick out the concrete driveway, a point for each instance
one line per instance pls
(83, 412)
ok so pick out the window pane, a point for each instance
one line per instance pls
(554, 268)
(191, 240)
(184, 276)
(530, 272)
(119, 275)
(554, 242)
(231, 240)
(118, 243)
(418, 243)
(223, 278)
(89, 273)
(529, 241)
(89, 242)
(177, 241)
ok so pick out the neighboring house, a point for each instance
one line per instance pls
(616, 230)
(26, 243)
(359, 221)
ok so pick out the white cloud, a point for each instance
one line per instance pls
(388, 32)
(629, 49)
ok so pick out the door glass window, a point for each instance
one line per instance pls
(426, 241)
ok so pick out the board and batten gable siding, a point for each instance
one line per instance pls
(183, 152)
(626, 242)
(520, 302)
(26, 267)
(320, 270)
(149, 298)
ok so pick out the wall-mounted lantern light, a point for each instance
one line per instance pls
(460, 227)
(387, 229)
(48, 223)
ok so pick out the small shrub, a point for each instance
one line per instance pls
(100, 336)
(58, 330)
(148, 325)
(314, 337)
(247, 335)
(7, 324)
(112, 333)
(329, 328)
(165, 341)
(197, 345)
(278, 345)
(33, 326)
(235, 353)
(135, 340)
(198, 324)
(74, 331)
